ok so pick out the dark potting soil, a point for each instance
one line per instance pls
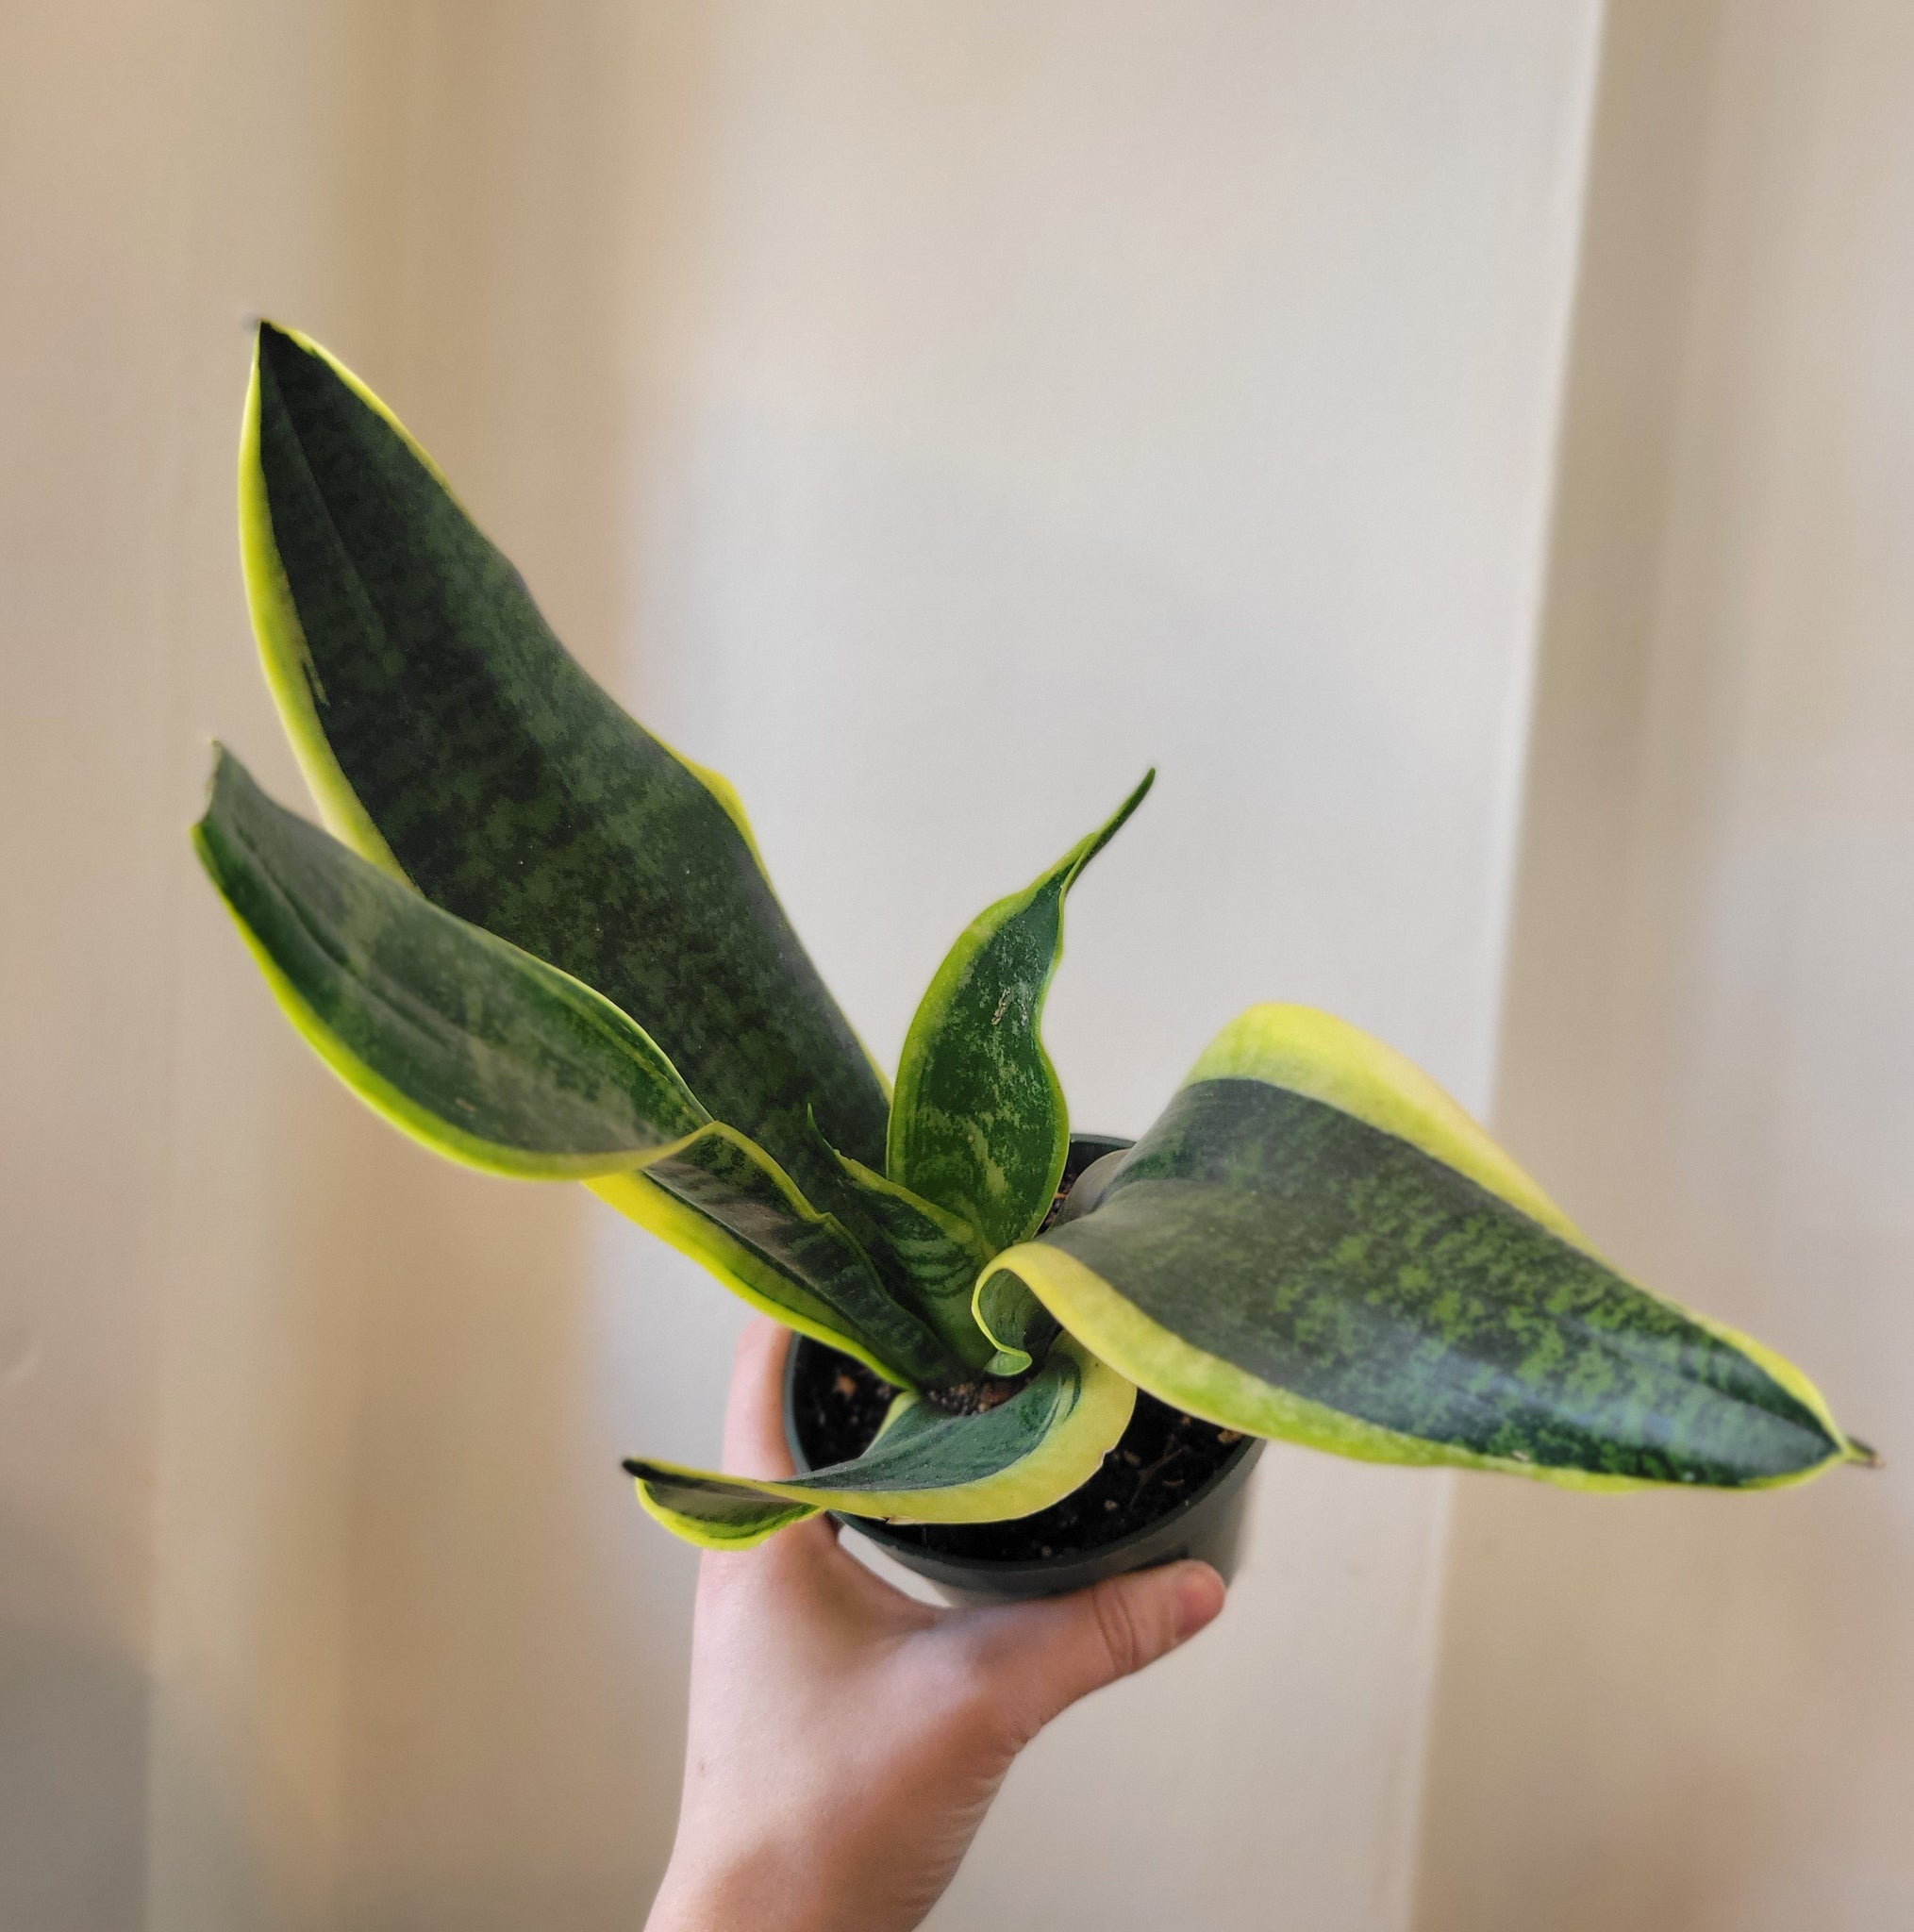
(1164, 1456)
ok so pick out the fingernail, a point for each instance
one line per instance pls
(1199, 1597)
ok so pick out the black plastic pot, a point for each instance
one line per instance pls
(1206, 1524)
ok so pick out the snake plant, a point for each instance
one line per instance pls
(541, 941)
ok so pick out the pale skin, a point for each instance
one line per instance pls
(846, 1740)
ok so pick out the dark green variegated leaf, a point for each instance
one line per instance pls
(978, 1123)
(1023, 1455)
(927, 1258)
(1314, 1242)
(460, 1038)
(709, 1511)
(450, 738)
(498, 1060)
(723, 1200)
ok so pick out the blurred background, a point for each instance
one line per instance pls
(1467, 445)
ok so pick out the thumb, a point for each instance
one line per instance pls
(1046, 1656)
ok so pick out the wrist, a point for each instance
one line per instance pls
(761, 1889)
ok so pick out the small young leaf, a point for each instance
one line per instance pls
(1019, 1326)
(978, 1123)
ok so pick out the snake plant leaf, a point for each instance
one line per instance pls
(450, 738)
(1030, 1451)
(720, 1199)
(1018, 1326)
(498, 1059)
(1315, 1243)
(978, 1122)
(461, 1039)
(709, 1511)
(928, 1259)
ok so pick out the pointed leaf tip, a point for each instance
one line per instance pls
(1119, 819)
(272, 343)
(225, 777)
(220, 758)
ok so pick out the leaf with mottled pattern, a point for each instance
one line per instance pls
(1314, 1242)
(978, 1123)
(490, 1055)
(927, 1258)
(450, 738)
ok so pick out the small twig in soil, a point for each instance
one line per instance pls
(1168, 1457)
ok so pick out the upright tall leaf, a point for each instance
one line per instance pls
(978, 1123)
(1315, 1242)
(450, 738)
(493, 1056)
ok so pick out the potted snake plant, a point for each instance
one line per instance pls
(540, 940)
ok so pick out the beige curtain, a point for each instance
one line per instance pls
(1459, 443)
(1663, 1716)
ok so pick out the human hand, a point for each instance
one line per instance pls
(846, 1740)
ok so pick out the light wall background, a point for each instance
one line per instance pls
(1463, 445)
